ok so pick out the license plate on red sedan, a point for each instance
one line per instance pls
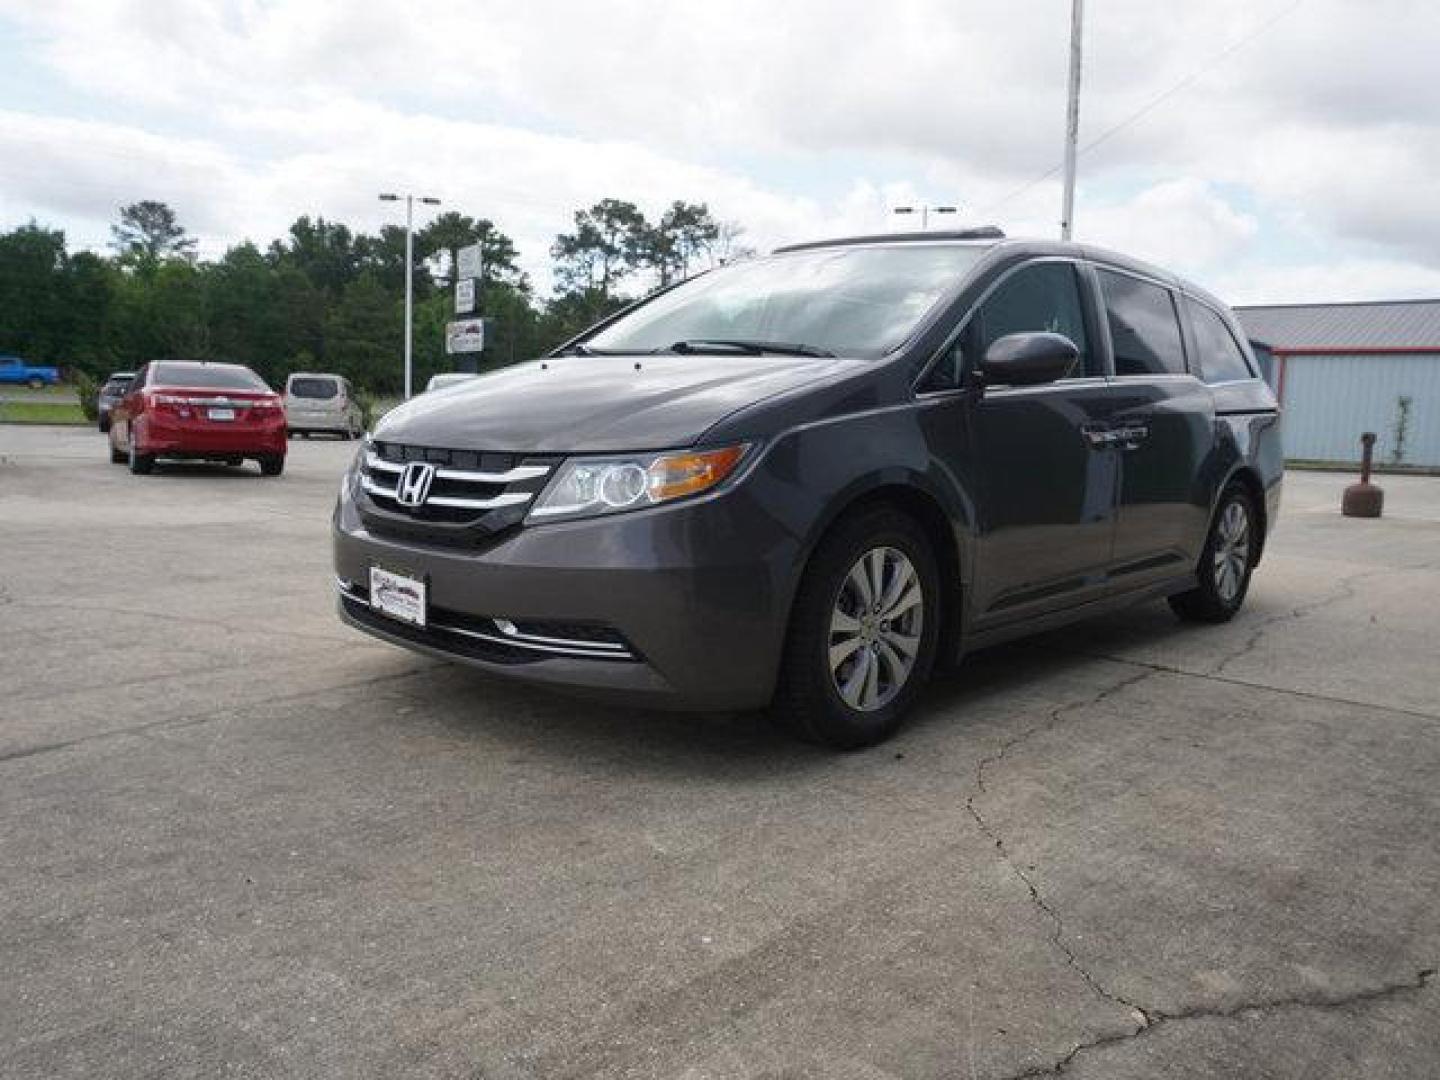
(398, 596)
(222, 414)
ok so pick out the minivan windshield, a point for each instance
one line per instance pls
(862, 300)
(311, 387)
(208, 376)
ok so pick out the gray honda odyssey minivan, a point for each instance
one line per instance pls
(804, 480)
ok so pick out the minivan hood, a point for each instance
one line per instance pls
(598, 404)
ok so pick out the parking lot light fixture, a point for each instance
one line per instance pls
(428, 200)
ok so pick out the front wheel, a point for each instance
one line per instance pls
(141, 464)
(35, 383)
(1225, 563)
(863, 633)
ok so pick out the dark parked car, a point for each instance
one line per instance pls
(803, 480)
(113, 390)
(189, 410)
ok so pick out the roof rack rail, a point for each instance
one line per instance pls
(978, 232)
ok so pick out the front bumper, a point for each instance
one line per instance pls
(699, 592)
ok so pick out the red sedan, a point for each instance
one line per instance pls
(198, 411)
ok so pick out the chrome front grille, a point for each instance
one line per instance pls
(450, 487)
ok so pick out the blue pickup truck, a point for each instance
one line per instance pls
(15, 372)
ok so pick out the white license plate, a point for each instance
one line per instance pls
(222, 414)
(398, 596)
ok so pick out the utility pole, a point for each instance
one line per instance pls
(409, 276)
(1072, 119)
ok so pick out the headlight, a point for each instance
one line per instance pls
(584, 487)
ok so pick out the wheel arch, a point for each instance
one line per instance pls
(927, 510)
(1249, 479)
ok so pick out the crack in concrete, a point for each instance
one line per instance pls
(1057, 934)
(1264, 626)
(1158, 1019)
(1229, 680)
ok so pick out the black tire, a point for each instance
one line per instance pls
(272, 464)
(808, 699)
(1221, 591)
(234, 462)
(35, 384)
(118, 457)
(141, 464)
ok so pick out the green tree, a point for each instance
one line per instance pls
(148, 232)
(324, 251)
(34, 321)
(362, 336)
(442, 239)
(245, 313)
(607, 246)
(682, 242)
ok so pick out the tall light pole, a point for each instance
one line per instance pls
(1072, 119)
(409, 274)
(925, 212)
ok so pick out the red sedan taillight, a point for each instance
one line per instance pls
(168, 404)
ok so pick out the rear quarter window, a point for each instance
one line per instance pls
(1220, 357)
(1144, 325)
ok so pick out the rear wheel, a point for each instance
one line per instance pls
(1226, 562)
(272, 464)
(863, 632)
(141, 464)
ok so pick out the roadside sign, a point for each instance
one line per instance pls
(467, 262)
(465, 336)
(464, 296)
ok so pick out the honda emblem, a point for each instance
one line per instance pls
(414, 485)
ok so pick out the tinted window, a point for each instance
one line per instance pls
(1045, 296)
(1143, 328)
(313, 388)
(851, 301)
(1220, 357)
(210, 376)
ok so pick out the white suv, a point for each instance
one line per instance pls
(322, 403)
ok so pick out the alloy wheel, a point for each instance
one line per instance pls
(875, 628)
(1232, 550)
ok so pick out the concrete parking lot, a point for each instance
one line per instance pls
(239, 839)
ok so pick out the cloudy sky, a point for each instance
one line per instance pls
(1282, 151)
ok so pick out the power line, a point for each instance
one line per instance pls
(1151, 105)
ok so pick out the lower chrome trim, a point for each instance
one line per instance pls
(589, 650)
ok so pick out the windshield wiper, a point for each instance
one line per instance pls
(749, 348)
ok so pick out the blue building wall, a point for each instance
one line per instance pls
(1330, 400)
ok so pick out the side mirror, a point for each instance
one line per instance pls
(1028, 359)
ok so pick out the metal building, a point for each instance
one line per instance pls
(1344, 369)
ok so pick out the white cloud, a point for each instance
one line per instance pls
(806, 118)
(1183, 224)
